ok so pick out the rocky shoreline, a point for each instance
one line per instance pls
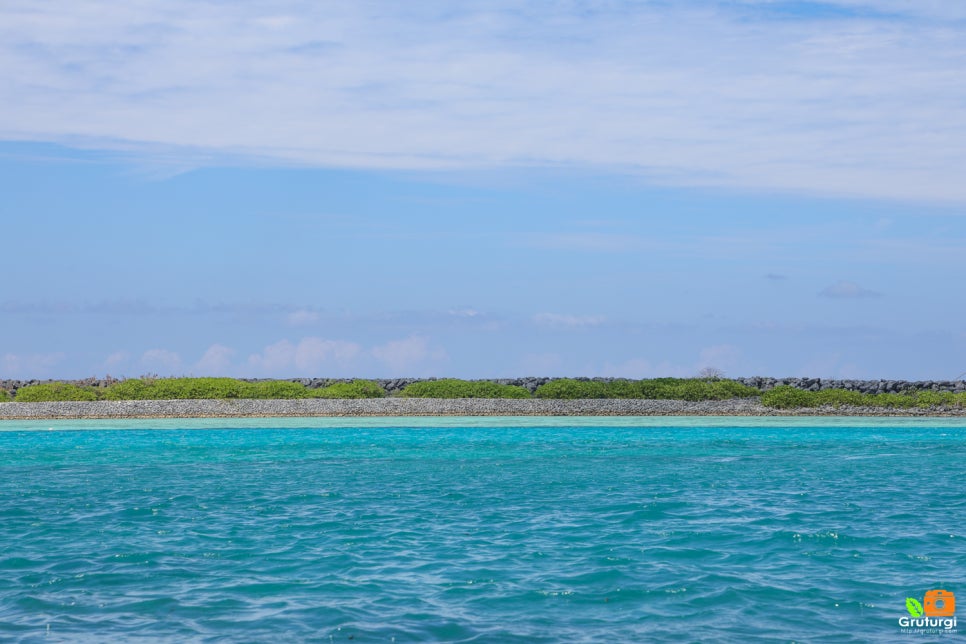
(430, 407)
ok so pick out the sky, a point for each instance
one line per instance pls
(483, 189)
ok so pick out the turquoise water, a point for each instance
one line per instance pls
(482, 530)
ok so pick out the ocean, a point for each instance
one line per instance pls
(478, 529)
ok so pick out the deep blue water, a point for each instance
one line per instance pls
(495, 530)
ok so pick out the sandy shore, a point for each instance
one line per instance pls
(427, 407)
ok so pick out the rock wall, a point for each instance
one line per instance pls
(863, 386)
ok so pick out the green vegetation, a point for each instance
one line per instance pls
(656, 389)
(53, 392)
(196, 389)
(567, 389)
(188, 389)
(354, 389)
(690, 389)
(149, 388)
(697, 389)
(452, 388)
(785, 397)
(275, 390)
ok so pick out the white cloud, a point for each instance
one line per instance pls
(34, 365)
(847, 290)
(567, 320)
(116, 364)
(637, 368)
(926, 8)
(161, 360)
(721, 356)
(725, 357)
(865, 104)
(410, 356)
(310, 357)
(302, 317)
(216, 361)
(314, 353)
(273, 358)
(541, 364)
(117, 359)
(465, 312)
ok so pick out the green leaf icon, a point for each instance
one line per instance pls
(914, 607)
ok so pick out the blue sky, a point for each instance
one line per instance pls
(483, 189)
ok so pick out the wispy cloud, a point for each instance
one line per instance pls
(721, 356)
(33, 365)
(414, 355)
(464, 312)
(567, 320)
(847, 290)
(863, 101)
(162, 360)
(116, 359)
(127, 307)
(302, 317)
(216, 361)
(62, 307)
(311, 356)
(410, 356)
(541, 364)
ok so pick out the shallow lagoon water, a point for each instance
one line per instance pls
(477, 529)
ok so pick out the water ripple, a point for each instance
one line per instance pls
(476, 534)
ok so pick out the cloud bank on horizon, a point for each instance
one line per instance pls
(842, 97)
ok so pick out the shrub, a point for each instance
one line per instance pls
(622, 389)
(659, 388)
(452, 388)
(570, 389)
(890, 401)
(840, 397)
(134, 389)
(694, 389)
(276, 390)
(936, 398)
(653, 389)
(785, 397)
(354, 389)
(179, 389)
(959, 400)
(4, 395)
(724, 389)
(54, 391)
